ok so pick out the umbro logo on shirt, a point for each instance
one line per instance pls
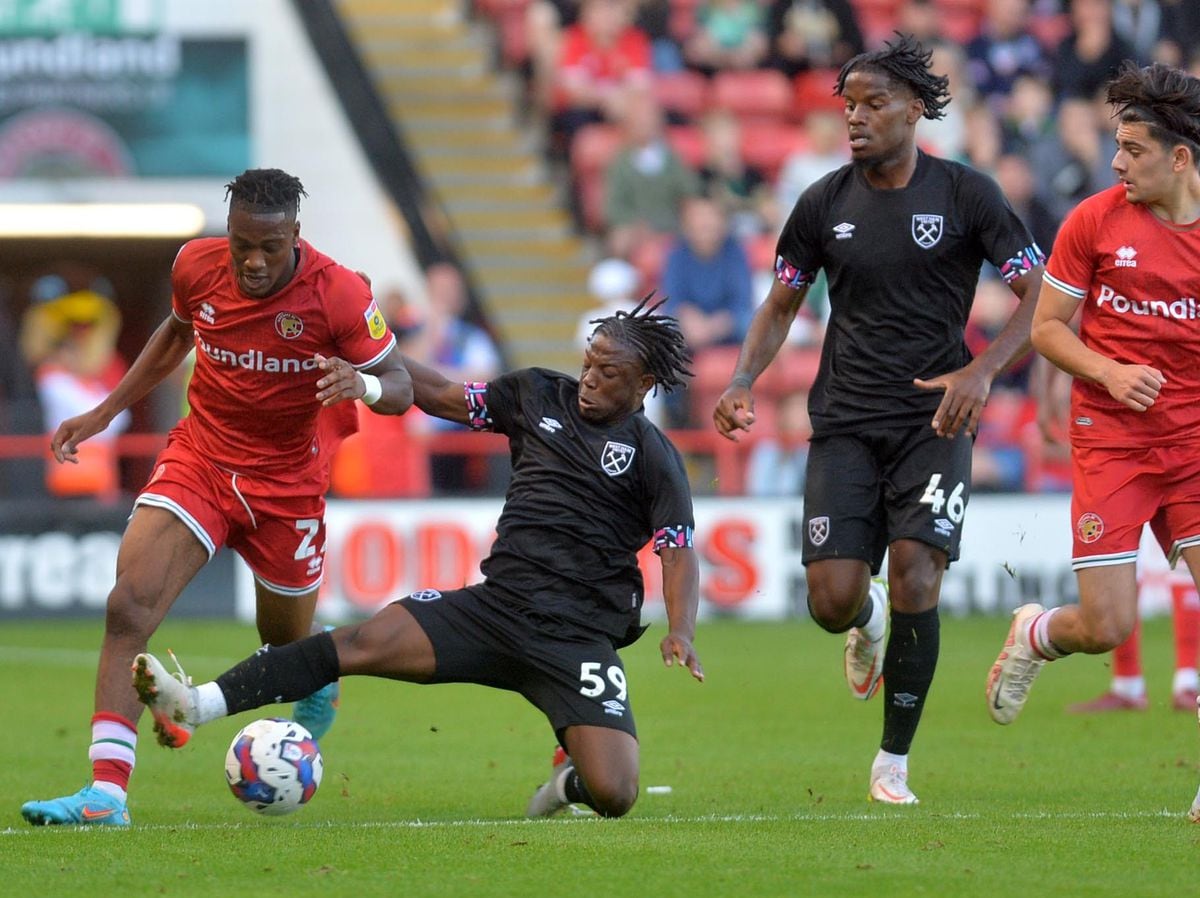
(1126, 257)
(550, 425)
(843, 231)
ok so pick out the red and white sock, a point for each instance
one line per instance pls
(112, 753)
(1039, 637)
(1185, 608)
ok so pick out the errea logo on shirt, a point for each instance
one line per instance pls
(1126, 257)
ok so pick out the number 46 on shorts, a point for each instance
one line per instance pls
(935, 497)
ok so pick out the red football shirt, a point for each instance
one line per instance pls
(1139, 278)
(253, 393)
(627, 61)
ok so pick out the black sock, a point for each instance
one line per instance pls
(864, 614)
(908, 666)
(282, 673)
(575, 790)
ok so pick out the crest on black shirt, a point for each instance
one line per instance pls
(926, 230)
(616, 458)
(818, 530)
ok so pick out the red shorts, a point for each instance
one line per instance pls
(1116, 491)
(279, 534)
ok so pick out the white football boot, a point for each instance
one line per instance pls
(1016, 668)
(550, 798)
(865, 646)
(171, 698)
(889, 785)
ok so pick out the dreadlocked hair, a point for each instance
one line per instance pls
(266, 190)
(907, 61)
(656, 339)
(1161, 97)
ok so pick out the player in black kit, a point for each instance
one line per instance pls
(593, 481)
(902, 236)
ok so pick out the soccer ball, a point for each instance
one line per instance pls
(273, 766)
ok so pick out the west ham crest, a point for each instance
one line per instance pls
(927, 230)
(616, 458)
(818, 530)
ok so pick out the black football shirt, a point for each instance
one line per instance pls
(582, 501)
(902, 267)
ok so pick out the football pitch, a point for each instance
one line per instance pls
(767, 761)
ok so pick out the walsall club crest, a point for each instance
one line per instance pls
(616, 458)
(927, 230)
(289, 325)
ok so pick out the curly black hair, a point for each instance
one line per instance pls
(1164, 98)
(906, 61)
(266, 190)
(656, 340)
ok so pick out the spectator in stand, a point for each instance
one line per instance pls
(464, 352)
(80, 368)
(20, 412)
(1004, 49)
(1017, 182)
(922, 19)
(1091, 53)
(1180, 34)
(826, 149)
(647, 182)
(1076, 165)
(741, 189)
(707, 284)
(1139, 23)
(600, 57)
(947, 136)
(812, 34)
(983, 138)
(706, 280)
(729, 34)
(778, 461)
(1028, 118)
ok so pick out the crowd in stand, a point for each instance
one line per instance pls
(688, 128)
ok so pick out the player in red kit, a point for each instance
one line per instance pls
(1131, 255)
(282, 334)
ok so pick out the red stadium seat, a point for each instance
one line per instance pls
(688, 141)
(592, 150)
(767, 146)
(754, 95)
(814, 91)
(681, 21)
(684, 93)
(760, 250)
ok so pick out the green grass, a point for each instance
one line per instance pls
(767, 760)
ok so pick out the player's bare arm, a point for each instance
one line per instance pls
(436, 395)
(966, 390)
(166, 348)
(1134, 386)
(768, 329)
(340, 381)
(681, 594)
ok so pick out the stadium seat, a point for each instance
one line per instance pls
(688, 141)
(592, 150)
(753, 96)
(876, 19)
(681, 21)
(766, 146)
(683, 93)
(760, 250)
(814, 90)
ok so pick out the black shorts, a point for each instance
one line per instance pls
(571, 674)
(866, 490)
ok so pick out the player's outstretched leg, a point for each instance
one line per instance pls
(171, 699)
(1017, 666)
(550, 797)
(316, 712)
(90, 806)
(865, 645)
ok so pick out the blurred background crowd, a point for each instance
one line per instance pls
(681, 133)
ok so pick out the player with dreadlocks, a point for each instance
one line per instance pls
(1128, 255)
(592, 482)
(902, 237)
(283, 336)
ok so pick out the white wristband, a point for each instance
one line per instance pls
(372, 388)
